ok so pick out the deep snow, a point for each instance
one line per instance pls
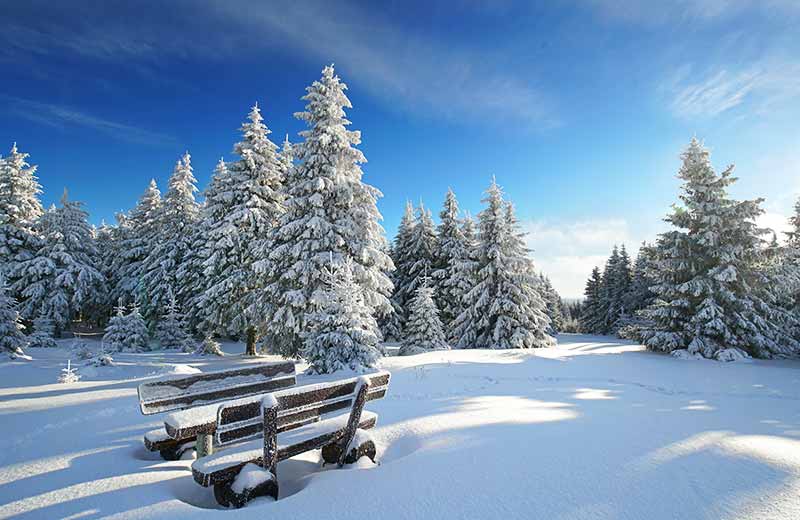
(594, 428)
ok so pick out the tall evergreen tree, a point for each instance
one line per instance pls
(137, 232)
(448, 251)
(12, 340)
(712, 298)
(20, 210)
(592, 317)
(329, 211)
(176, 219)
(62, 280)
(239, 219)
(505, 304)
(464, 278)
(403, 259)
(423, 331)
(552, 305)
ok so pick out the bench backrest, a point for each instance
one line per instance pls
(241, 419)
(180, 392)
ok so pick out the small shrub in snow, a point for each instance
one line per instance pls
(69, 374)
(209, 347)
(423, 332)
(102, 359)
(82, 350)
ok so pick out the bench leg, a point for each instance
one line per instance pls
(332, 453)
(205, 445)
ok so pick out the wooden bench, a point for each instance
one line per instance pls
(271, 428)
(188, 392)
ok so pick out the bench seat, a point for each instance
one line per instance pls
(223, 466)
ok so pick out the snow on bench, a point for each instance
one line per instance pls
(198, 390)
(289, 422)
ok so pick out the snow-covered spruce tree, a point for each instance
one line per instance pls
(20, 210)
(62, 280)
(552, 304)
(171, 331)
(240, 225)
(137, 233)
(43, 332)
(191, 271)
(176, 219)
(116, 333)
(639, 296)
(401, 254)
(505, 303)
(465, 277)
(69, 374)
(209, 347)
(712, 298)
(616, 281)
(422, 251)
(329, 211)
(106, 241)
(126, 332)
(342, 332)
(286, 157)
(423, 331)
(448, 251)
(12, 340)
(592, 315)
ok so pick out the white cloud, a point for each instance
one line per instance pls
(401, 66)
(568, 251)
(60, 116)
(647, 12)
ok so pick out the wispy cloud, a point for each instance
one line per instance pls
(707, 93)
(402, 66)
(59, 116)
(568, 251)
(648, 12)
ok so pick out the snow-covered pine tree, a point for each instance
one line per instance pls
(552, 304)
(465, 277)
(505, 301)
(286, 158)
(138, 339)
(176, 219)
(239, 229)
(342, 331)
(69, 374)
(329, 210)
(448, 251)
(62, 280)
(43, 332)
(423, 244)
(592, 315)
(423, 332)
(194, 280)
(402, 258)
(138, 232)
(616, 282)
(12, 340)
(171, 330)
(712, 298)
(639, 296)
(20, 210)
(116, 333)
(106, 241)
(209, 347)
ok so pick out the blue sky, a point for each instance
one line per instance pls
(580, 108)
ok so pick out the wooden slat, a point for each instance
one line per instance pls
(298, 406)
(176, 393)
(284, 452)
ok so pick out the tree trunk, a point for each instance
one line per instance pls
(251, 342)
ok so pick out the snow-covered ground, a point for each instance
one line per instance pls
(595, 428)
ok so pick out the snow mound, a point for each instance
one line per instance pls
(685, 354)
(732, 354)
(250, 477)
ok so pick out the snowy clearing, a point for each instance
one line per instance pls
(593, 428)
